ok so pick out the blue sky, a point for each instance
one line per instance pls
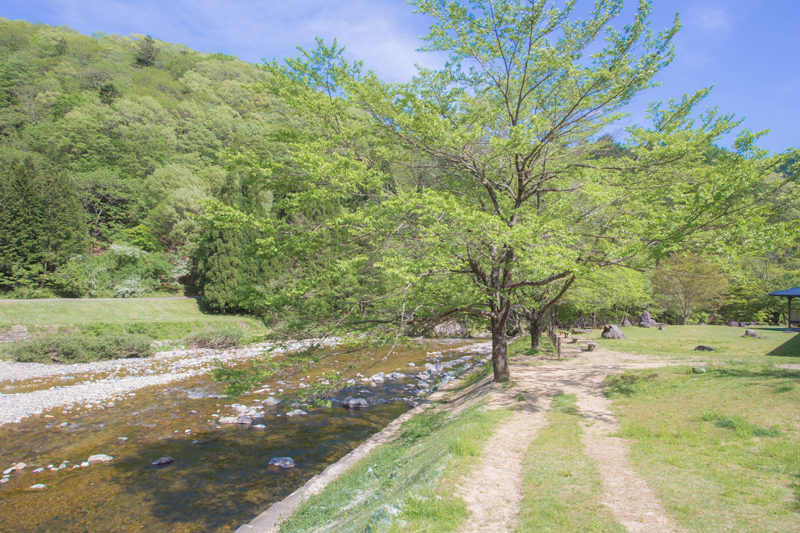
(748, 50)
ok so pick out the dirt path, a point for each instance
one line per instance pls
(493, 489)
(498, 478)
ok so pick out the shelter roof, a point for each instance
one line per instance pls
(794, 291)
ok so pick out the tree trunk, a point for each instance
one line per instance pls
(500, 347)
(536, 331)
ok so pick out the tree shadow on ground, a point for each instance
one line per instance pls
(790, 348)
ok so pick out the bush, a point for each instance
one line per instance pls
(75, 348)
(216, 337)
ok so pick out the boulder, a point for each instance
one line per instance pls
(355, 403)
(733, 324)
(646, 321)
(612, 331)
(626, 323)
(283, 462)
(661, 327)
(451, 328)
(703, 348)
(751, 333)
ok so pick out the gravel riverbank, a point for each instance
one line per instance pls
(105, 381)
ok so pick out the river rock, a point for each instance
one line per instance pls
(397, 375)
(703, 348)
(163, 461)
(244, 420)
(412, 364)
(451, 328)
(296, 412)
(99, 458)
(15, 468)
(612, 331)
(646, 321)
(283, 462)
(5, 479)
(751, 333)
(355, 403)
(258, 426)
(271, 401)
(38, 486)
(227, 419)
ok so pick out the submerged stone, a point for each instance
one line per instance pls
(163, 461)
(355, 403)
(99, 458)
(296, 412)
(283, 462)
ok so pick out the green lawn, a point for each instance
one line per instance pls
(775, 346)
(161, 319)
(721, 449)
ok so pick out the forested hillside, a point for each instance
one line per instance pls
(110, 146)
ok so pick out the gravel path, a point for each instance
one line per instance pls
(112, 380)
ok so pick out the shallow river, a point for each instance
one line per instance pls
(220, 477)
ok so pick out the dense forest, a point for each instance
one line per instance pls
(131, 167)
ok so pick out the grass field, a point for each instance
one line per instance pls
(157, 318)
(721, 448)
(775, 347)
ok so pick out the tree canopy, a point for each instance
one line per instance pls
(513, 190)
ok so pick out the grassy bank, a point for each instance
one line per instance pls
(562, 486)
(721, 449)
(405, 485)
(91, 330)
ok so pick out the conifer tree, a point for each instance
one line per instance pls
(146, 52)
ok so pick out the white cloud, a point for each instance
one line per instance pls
(712, 19)
(384, 33)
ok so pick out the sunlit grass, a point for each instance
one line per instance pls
(407, 484)
(721, 449)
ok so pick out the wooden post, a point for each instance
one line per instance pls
(789, 313)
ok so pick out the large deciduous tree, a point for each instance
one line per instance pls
(513, 194)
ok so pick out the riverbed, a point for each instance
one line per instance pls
(219, 476)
